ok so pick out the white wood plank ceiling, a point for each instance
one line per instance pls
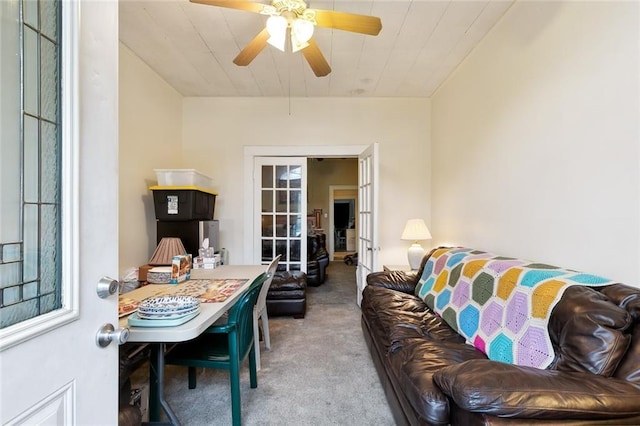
(192, 47)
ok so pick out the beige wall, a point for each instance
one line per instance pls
(536, 139)
(150, 133)
(216, 130)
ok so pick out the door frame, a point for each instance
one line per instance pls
(250, 152)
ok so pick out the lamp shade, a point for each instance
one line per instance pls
(167, 248)
(415, 230)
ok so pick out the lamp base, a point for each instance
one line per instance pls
(415, 255)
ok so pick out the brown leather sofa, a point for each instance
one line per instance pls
(431, 376)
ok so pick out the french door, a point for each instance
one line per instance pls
(280, 221)
(367, 213)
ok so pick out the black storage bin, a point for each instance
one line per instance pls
(183, 204)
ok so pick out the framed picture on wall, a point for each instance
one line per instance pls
(318, 215)
(311, 222)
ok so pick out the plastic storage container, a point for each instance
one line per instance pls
(182, 177)
(173, 204)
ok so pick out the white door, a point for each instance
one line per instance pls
(58, 216)
(280, 221)
(367, 213)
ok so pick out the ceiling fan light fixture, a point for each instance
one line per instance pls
(301, 33)
(296, 45)
(302, 29)
(277, 28)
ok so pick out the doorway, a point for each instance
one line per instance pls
(343, 226)
(251, 252)
(367, 188)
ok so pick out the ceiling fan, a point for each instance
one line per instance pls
(294, 18)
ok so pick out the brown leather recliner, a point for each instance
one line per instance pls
(287, 294)
(317, 259)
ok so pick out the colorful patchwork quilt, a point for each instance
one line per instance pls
(500, 305)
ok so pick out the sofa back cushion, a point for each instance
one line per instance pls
(589, 332)
(628, 298)
(503, 306)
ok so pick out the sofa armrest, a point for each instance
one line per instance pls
(404, 281)
(506, 390)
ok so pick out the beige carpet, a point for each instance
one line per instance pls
(340, 255)
(318, 372)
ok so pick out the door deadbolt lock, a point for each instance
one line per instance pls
(106, 287)
(107, 334)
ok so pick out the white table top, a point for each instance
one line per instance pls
(209, 312)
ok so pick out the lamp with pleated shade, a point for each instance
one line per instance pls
(415, 230)
(167, 248)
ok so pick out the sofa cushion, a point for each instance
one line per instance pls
(507, 390)
(628, 298)
(289, 280)
(589, 332)
(417, 343)
(413, 366)
(404, 281)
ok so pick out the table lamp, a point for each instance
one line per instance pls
(167, 248)
(415, 230)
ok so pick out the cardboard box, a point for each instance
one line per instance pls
(180, 268)
(142, 272)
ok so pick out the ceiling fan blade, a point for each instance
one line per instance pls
(233, 4)
(252, 49)
(363, 24)
(316, 59)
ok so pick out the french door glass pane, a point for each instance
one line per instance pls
(267, 250)
(295, 201)
(30, 211)
(295, 177)
(295, 250)
(295, 226)
(267, 225)
(281, 226)
(267, 176)
(281, 249)
(267, 200)
(282, 176)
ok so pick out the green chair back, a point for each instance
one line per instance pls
(241, 317)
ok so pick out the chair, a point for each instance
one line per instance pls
(260, 311)
(225, 346)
